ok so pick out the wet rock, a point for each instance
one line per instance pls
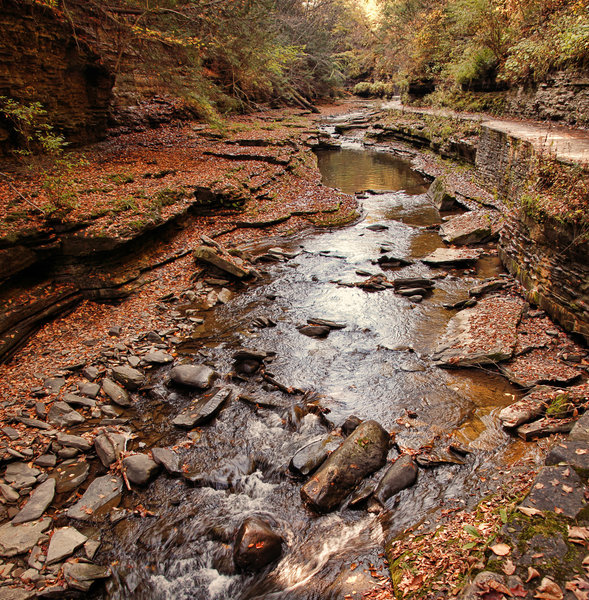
(74, 441)
(317, 331)
(557, 487)
(484, 288)
(439, 194)
(109, 447)
(81, 576)
(311, 457)
(428, 460)
(350, 425)
(115, 392)
(140, 468)
(484, 334)
(196, 376)
(16, 539)
(442, 257)
(361, 454)
(387, 260)
(326, 323)
(203, 409)
(413, 292)
(128, 377)
(473, 227)
(91, 547)
(538, 367)
(400, 475)
(64, 542)
(377, 227)
(224, 296)
(573, 453)
(402, 283)
(249, 361)
(40, 499)
(64, 415)
(102, 491)
(158, 357)
(225, 262)
(362, 494)
(544, 427)
(168, 459)
(256, 545)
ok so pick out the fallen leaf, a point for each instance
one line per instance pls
(508, 568)
(519, 591)
(529, 511)
(500, 549)
(548, 590)
(498, 587)
(532, 574)
(567, 488)
(578, 535)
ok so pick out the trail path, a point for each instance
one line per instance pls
(570, 145)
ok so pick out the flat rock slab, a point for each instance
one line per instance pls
(360, 455)
(102, 491)
(226, 263)
(474, 227)
(81, 576)
(70, 475)
(74, 441)
(538, 367)
(573, 453)
(158, 358)
(75, 400)
(481, 335)
(40, 499)
(65, 541)
(168, 459)
(544, 427)
(203, 409)
(447, 257)
(128, 377)
(580, 430)
(115, 392)
(16, 593)
(21, 475)
(559, 490)
(530, 407)
(196, 376)
(16, 539)
(64, 415)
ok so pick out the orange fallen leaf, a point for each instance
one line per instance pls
(500, 549)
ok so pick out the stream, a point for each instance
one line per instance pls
(375, 368)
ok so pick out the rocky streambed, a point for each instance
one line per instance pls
(303, 403)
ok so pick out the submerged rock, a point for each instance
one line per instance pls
(256, 545)
(400, 475)
(361, 454)
(315, 330)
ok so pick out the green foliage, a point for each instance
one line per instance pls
(377, 89)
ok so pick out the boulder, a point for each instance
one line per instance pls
(256, 545)
(140, 468)
(400, 475)
(65, 541)
(439, 194)
(473, 227)
(310, 457)
(63, 415)
(223, 261)
(128, 377)
(115, 392)
(196, 376)
(102, 491)
(36, 505)
(361, 454)
(203, 409)
(481, 335)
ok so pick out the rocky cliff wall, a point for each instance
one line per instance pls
(548, 258)
(42, 61)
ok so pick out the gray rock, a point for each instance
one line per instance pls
(64, 542)
(128, 377)
(473, 227)
(400, 475)
(580, 431)
(81, 576)
(570, 452)
(33, 423)
(9, 493)
(91, 547)
(40, 499)
(115, 392)
(21, 475)
(102, 491)
(54, 384)
(70, 475)
(439, 194)
(197, 376)
(225, 263)
(140, 468)
(159, 357)
(203, 409)
(256, 545)
(90, 373)
(224, 296)
(16, 593)
(360, 455)
(311, 457)
(16, 539)
(442, 257)
(315, 330)
(11, 433)
(108, 447)
(168, 459)
(134, 361)
(46, 460)
(63, 415)
(75, 400)
(74, 441)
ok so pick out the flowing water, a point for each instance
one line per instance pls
(377, 368)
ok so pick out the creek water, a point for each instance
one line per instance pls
(377, 368)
